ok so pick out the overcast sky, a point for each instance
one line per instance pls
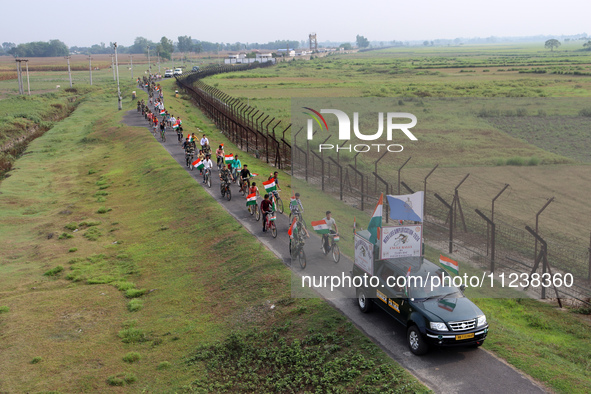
(83, 22)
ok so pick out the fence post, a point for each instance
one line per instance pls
(451, 221)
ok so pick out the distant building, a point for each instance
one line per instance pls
(283, 51)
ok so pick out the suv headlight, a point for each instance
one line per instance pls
(438, 326)
(481, 321)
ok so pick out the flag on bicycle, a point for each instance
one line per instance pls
(320, 227)
(375, 223)
(198, 164)
(292, 228)
(270, 185)
(354, 226)
(229, 159)
(162, 112)
(251, 199)
(449, 264)
(252, 174)
(274, 202)
(175, 126)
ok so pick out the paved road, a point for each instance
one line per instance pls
(444, 371)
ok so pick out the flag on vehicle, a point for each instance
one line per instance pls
(292, 228)
(449, 264)
(447, 305)
(198, 164)
(229, 159)
(375, 223)
(251, 199)
(354, 226)
(270, 185)
(406, 207)
(321, 227)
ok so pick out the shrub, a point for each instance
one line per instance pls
(65, 236)
(72, 250)
(163, 365)
(132, 357)
(92, 234)
(585, 112)
(135, 305)
(4, 309)
(132, 335)
(91, 171)
(54, 271)
(115, 381)
(515, 161)
(101, 199)
(135, 293)
(533, 161)
(71, 226)
(124, 286)
(102, 210)
(36, 360)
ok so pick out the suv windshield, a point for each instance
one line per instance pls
(430, 287)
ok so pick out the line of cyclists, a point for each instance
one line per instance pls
(236, 172)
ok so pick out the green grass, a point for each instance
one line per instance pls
(4, 309)
(132, 357)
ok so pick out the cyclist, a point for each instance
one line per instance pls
(325, 237)
(220, 156)
(244, 176)
(207, 166)
(266, 208)
(225, 174)
(253, 189)
(236, 165)
(295, 206)
(201, 156)
(186, 144)
(204, 141)
(193, 139)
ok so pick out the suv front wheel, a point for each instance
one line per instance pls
(415, 340)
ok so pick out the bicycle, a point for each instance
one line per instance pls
(270, 224)
(189, 158)
(225, 189)
(163, 135)
(296, 247)
(278, 201)
(243, 186)
(254, 210)
(333, 247)
(207, 177)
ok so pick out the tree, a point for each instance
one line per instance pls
(7, 46)
(587, 45)
(165, 48)
(426, 43)
(362, 42)
(346, 46)
(185, 44)
(551, 44)
(140, 45)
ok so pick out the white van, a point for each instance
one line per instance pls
(168, 74)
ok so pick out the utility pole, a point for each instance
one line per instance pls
(19, 76)
(149, 64)
(131, 62)
(90, 68)
(120, 105)
(69, 71)
(158, 62)
(113, 66)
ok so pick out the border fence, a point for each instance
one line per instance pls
(451, 224)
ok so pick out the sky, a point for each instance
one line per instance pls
(84, 23)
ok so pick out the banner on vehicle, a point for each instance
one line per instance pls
(364, 254)
(401, 241)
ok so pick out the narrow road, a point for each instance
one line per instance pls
(459, 370)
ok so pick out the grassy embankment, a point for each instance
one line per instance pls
(119, 270)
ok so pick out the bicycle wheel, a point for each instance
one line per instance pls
(191, 166)
(242, 189)
(302, 258)
(208, 181)
(279, 204)
(228, 193)
(336, 253)
(273, 230)
(257, 213)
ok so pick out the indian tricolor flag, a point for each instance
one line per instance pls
(252, 174)
(162, 112)
(251, 199)
(321, 227)
(229, 159)
(449, 264)
(375, 223)
(190, 138)
(198, 164)
(175, 126)
(270, 185)
(291, 228)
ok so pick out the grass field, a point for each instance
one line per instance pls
(121, 287)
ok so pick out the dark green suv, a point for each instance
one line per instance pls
(433, 315)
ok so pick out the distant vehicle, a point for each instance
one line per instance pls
(178, 71)
(437, 316)
(168, 74)
(195, 68)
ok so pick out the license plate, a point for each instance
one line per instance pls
(464, 336)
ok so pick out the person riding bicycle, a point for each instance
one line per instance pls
(225, 175)
(204, 141)
(325, 237)
(244, 176)
(253, 189)
(201, 156)
(236, 166)
(207, 166)
(220, 156)
(266, 209)
(187, 144)
(296, 204)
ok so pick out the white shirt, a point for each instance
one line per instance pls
(330, 222)
(173, 120)
(204, 141)
(207, 164)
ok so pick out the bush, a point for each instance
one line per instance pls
(132, 357)
(36, 360)
(124, 286)
(135, 293)
(65, 236)
(54, 271)
(132, 335)
(71, 226)
(585, 112)
(515, 161)
(533, 161)
(115, 381)
(135, 305)
(102, 210)
(72, 250)
(92, 234)
(4, 309)
(163, 365)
